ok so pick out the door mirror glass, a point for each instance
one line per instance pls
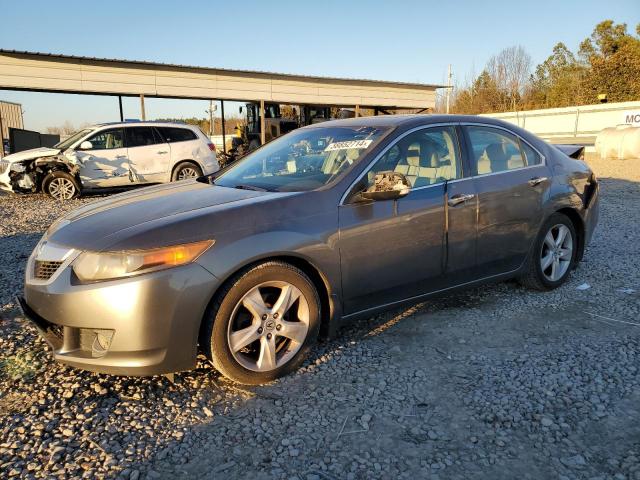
(387, 186)
(86, 145)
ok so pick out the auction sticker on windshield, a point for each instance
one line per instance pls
(348, 145)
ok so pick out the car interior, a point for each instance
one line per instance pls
(498, 157)
(424, 158)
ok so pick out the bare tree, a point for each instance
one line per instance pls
(510, 70)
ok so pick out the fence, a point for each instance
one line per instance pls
(20, 140)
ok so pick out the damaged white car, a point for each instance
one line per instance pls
(111, 155)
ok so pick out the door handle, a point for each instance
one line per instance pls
(537, 181)
(121, 156)
(460, 198)
(162, 152)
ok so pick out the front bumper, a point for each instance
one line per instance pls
(142, 325)
(5, 181)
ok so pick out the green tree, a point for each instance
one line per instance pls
(558, 81)
(613, 59)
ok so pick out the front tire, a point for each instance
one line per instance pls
(61, 185)
(553, 256)
(263, 323)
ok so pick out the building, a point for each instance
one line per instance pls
(10, 117)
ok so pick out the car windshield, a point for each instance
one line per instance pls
(64, 144)
(302, 160)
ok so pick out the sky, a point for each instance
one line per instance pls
(403, 40)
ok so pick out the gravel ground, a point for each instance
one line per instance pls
(496, 382)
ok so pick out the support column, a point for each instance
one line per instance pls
(144, 116)
(1, 138)
(263, 133)
(357, 111)
(224, 138)
(120, 105)
(211, 129)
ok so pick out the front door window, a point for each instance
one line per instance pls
(426, 157)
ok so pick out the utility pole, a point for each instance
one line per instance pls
(449, 86)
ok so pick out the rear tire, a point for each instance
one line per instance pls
(186, 170)
(553, 255)
(262, 324)
(61, 185)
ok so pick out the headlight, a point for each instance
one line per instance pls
(17, 167)
(91, 266)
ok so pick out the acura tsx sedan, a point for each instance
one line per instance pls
(333, 221)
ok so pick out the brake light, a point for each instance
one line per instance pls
(211, 146)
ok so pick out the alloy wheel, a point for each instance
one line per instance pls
(62, 188)
(187, 172)
(268, 326)
(557, 252)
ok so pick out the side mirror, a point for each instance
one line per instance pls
(387, 186)
(86, 145)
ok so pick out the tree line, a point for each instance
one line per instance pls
(606, 67)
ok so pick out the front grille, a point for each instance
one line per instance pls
(4, 164)
(44, 270)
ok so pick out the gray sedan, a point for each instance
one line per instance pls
(330, 222)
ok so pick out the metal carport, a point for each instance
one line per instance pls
(47, 72)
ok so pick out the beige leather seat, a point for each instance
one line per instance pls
(417, 166)
(493, 159)
(496, 159)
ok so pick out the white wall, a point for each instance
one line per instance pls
(582, 121)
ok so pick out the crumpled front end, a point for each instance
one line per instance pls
(5, 180)
(25, 176)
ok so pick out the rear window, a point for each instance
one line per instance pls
(176, 134)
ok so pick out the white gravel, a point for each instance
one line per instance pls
(496, 382)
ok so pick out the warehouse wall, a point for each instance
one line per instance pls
(10, 116)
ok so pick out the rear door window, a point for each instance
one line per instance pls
(141, 136)
(494, 150)
(531, 156)
(176, 134)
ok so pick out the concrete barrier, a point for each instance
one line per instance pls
(579, 124)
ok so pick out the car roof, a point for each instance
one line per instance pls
(145, 123)
(407, 121)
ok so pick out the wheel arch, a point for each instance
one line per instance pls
(329, 306)
(49, 165)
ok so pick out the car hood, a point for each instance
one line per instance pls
(96, 226)
(32, 154)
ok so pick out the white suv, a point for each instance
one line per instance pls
(111, 155)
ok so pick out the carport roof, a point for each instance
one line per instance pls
(258, 72)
